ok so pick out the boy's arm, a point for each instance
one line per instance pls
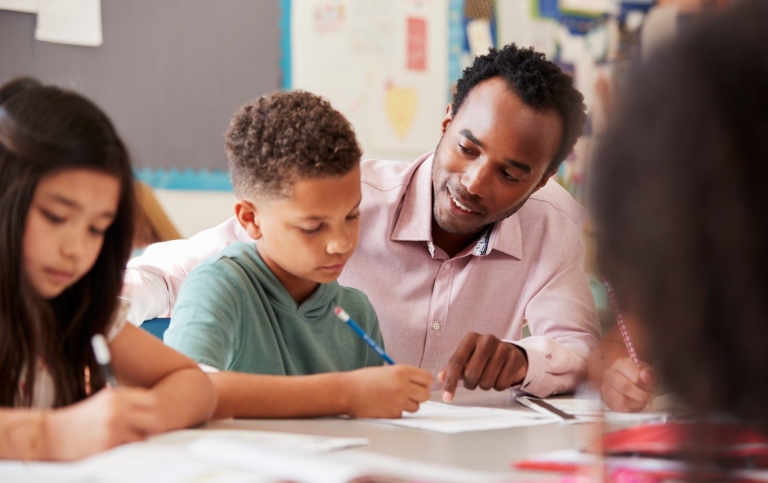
(374, 392)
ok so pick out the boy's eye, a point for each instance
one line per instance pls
(353, 217)
(311, 230)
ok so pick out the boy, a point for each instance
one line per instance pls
(256, 312)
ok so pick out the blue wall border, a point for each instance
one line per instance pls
(285, 44)
(185, 179)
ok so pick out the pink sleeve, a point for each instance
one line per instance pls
(152, 280)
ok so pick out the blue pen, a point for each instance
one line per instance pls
(344, 317)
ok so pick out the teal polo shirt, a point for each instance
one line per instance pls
(233, 314)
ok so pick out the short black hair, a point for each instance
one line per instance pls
(678, 190)
(280, 137)
(539, 83)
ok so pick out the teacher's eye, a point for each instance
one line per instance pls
(509, 177)
(466, 150)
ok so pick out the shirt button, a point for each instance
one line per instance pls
(436, 325)
(447, 266)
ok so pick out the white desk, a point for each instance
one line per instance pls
(470, 456)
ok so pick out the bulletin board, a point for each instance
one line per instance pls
(382, 63)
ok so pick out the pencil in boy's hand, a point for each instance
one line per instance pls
(344, 317)
(103, 358)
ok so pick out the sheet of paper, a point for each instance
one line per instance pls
(588, 410)
(201, 456)
(76, 22)
(446, 418)
(29, 6)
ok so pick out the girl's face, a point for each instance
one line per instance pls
(67, 219)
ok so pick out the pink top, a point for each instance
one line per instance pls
(526, 269)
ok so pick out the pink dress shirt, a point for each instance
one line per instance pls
(530, 272)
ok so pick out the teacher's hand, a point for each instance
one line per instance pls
(485, 361)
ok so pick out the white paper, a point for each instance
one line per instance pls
(588, 410)
(230, 456)
(76, 22)
(29, 6)
(447, 418)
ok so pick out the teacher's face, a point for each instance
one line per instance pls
(494, 153)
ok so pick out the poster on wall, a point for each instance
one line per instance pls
(382, 63)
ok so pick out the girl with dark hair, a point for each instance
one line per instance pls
(66, 225)
(680, 199)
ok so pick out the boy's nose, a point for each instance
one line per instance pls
(342, 243)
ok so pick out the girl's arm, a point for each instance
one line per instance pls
(185, 395)
(21, 434)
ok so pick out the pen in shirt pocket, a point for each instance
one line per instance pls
(344, 317)
(103, 358)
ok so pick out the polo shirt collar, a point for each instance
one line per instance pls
(414, 222)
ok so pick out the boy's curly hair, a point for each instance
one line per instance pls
(278, 138)
(539, 83)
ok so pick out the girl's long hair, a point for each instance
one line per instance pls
(44, 130)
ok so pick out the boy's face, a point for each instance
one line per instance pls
(306, 239)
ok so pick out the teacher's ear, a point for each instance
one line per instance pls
(447, 119)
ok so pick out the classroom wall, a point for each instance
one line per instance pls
(170, 73)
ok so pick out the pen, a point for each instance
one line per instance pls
(103, 358)
(344, 317)
(623, 329)
(622, 326)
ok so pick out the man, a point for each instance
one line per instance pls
(459, 250)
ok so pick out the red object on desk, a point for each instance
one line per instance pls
(728, 446)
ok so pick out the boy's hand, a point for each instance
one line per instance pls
(109, 418)
(386, 391)
(628, 387)
(485, 361)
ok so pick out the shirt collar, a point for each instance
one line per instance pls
(414, 222)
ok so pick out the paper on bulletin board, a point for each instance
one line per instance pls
(516, 23)
(382, 63)
(29, 6)
(76, 22)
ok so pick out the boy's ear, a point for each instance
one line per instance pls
(447, 119)
(248, 216)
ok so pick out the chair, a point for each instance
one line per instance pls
(156, 327)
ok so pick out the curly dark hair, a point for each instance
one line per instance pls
(679, 195)
(539, 83)
(280, 137)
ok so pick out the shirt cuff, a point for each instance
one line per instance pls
(534, 382)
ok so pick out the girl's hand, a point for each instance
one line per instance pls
(628, 387)
(386, 391)
(109, 418)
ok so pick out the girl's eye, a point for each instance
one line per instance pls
(353, 217)
(97, 231)
(52, 218)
